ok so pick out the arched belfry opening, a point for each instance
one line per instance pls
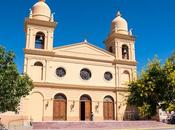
(125, 52)
(85, 107)
(39, 40)
(60, 107)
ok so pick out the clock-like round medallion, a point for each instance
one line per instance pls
(85, 74)
(60, 72)
(108, 76)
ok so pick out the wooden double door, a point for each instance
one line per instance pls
(85, 108)
(60, 108)
(108, 109)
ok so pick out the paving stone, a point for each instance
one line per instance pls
(102, 125)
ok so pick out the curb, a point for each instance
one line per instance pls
(148, 128)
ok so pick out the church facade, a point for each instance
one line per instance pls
(75, 81)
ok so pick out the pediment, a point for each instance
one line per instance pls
(85, 50)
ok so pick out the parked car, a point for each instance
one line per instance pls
(171, 119)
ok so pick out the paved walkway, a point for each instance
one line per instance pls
(113, 125)
(109, 129)
(121, 129)
(103, 125)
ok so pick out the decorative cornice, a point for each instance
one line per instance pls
(120, 36)
(39, 52)
(83, 58)
(39, 23)
(80, 87)
(125, 62)
(86, 43)
(121, 89)
(52, 54)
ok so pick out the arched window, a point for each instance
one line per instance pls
(38, 71)
(125, 52)
(38, 64)
(39, 40)
(60, 96)
(108, 99)
(125, 77)
(85, 97)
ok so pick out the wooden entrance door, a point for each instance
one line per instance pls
(59, 108)
(85, 108)
(108, 109)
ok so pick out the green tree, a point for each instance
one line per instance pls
(155, 87)
(169, 96)
(13, 86)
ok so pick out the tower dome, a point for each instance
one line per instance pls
(119, 25)
(41, 11)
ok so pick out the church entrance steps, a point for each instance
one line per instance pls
(65, 125)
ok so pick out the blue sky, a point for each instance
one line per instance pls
(153, 22)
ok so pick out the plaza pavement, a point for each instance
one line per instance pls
(106, 129)
(125, 125)
(96, 129)
(115, 129)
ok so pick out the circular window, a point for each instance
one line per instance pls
(108, 76)
(60, 72)
(85, 74)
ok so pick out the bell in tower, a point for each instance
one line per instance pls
(40, 27)
(121, 39)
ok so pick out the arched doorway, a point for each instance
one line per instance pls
(60, 107)
(36, 106)
(85, 107)
(108, 108)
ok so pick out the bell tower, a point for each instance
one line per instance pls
(121, 43)
(39, 28)
(120, 40)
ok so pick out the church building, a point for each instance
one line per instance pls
(74, 82)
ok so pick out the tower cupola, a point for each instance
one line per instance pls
(41, 11)
(119, 25)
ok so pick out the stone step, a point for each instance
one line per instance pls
(102, 124)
